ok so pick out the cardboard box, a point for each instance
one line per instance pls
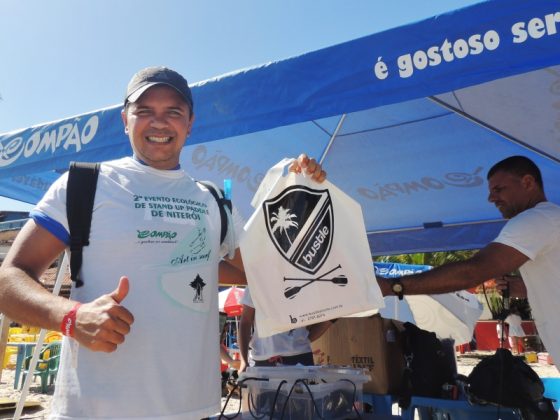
(371, 343)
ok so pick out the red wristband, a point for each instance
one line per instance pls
(69, 321)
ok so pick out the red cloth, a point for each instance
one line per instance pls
(223, 366)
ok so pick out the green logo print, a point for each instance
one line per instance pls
(156, 234)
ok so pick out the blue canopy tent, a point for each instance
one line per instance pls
(407, 122)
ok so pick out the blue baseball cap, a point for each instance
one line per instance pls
(152, 76)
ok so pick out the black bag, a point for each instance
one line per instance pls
(427, 365)
(507, 380)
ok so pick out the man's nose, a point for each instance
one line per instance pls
(158, 121)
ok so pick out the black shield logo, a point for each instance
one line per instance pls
(300, 223)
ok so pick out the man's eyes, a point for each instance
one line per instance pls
(146, 112)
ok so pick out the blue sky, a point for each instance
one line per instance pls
(64, 57)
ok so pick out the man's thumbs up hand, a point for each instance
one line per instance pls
(121, 291)
(101, 325)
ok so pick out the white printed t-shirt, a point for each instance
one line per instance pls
(290, 343)
(536, 234)
(162, 230)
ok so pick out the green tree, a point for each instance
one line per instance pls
(434, 259)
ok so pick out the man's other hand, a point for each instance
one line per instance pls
(309, 166)
(513, 285)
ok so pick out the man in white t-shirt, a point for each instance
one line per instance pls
(529, 241)
(287, 348)
(149, 262)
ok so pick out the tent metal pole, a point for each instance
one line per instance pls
(413, 228)
(4, 335)
(493, 129)
(331, 140)
(61, 271)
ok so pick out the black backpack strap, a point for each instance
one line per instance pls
(222, 203)
(80, 195)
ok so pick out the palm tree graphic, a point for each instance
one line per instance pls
(283, 220)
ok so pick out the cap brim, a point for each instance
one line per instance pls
(133, 97)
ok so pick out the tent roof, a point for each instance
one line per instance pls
(411, 141)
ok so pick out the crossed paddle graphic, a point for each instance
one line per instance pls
(290, 292)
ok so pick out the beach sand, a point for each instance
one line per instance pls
(465, 363)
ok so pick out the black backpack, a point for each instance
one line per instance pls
(507, 380)
(80, 195)
(428, 366)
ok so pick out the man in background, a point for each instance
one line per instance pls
(288, 348)
(529, 241)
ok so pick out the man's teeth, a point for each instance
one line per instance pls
(159, 139)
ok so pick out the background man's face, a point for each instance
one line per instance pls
(508, 193)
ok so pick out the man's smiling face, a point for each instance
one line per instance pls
(158, 124)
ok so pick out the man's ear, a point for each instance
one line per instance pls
(125, 120)
(528, 182)
(191, 122)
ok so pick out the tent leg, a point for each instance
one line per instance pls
(62, 266)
